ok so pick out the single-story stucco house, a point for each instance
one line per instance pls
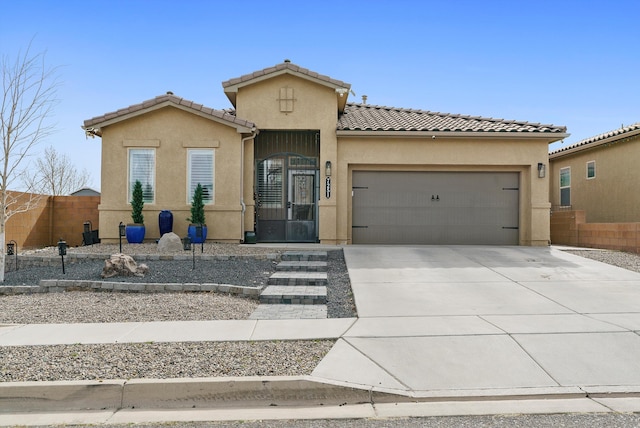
(600, 176)
(293, 161)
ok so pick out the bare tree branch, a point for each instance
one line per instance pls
(28, 98)
(54, 174)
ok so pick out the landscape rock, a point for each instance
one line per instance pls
(169, 243)
(122, 265)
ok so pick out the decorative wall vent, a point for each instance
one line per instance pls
(286, 100)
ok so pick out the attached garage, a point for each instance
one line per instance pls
(435, 208)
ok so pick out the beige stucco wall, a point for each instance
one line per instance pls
(612, 196)
(315, 107)
(171, 132)
(450, 154)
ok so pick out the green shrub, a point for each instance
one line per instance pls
(137, 203)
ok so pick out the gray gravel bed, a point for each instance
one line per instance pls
(570, 420)
(160, 360)
(107, 307)
(245, 272)
(621, 259)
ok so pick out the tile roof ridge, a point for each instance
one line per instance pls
(285, 65)
(177, 100)
(599, 137)
(450, 115)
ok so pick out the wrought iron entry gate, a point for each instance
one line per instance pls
(287, 187)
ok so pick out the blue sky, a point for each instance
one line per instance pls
(562, 62)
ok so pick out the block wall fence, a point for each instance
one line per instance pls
(571, 228)
(54, 217)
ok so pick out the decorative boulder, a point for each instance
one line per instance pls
(170, 242)
(122, 265)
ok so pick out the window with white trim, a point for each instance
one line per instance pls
(565, 186)
(142, 167)
(201, 163)
(591, 170)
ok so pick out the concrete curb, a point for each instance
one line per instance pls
(17, 397)
(248, 392)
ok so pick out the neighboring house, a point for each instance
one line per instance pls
(85, 191)
(295, 162)
(600, 176)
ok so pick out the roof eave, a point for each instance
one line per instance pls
(593, 145)
(95, 129)
(233, 88)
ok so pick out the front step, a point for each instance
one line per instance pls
(298, 278)
(289, 312)
(303, 266)
(294, 295)
(320, 256)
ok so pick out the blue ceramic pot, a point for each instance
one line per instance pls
(191, 231)
(135, 233)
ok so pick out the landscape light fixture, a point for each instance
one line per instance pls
(199, 229)
(12, 250)
(541, 170)
(87, 236)
(186, 243)
(62, 251)
(121, 232)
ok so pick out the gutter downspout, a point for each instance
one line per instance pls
(254, 132)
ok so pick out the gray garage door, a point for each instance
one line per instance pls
(435, 207)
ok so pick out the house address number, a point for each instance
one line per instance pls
(327, 188)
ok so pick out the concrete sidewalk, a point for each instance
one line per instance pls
(444, 330)
(173, 331)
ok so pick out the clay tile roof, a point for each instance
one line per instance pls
(167, 99)
(593, 141)
(286, 65)
(364, 117)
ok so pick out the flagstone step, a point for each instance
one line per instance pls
(294, 295)
(298, 278)
(304, 256)
(288, 312)
(304, 266)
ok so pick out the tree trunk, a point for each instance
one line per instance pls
(2, 254)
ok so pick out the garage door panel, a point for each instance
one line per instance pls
(435, 208)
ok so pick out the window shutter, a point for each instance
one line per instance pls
(201, 171)
(142, 167)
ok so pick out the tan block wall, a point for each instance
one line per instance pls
(53, 218)
(570, 228)
(69, 215)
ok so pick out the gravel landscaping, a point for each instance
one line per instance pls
(250, 267)
(160, 360)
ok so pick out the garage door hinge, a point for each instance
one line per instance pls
(512, 227)
(510, 188)
(359, 227)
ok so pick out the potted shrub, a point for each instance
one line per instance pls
(197, 217)
(135, 232)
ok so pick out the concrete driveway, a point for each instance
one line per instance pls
(472, 320)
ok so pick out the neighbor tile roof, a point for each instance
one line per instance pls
(364, 117)
(592, 141)
(286, 65)
(171, 99)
